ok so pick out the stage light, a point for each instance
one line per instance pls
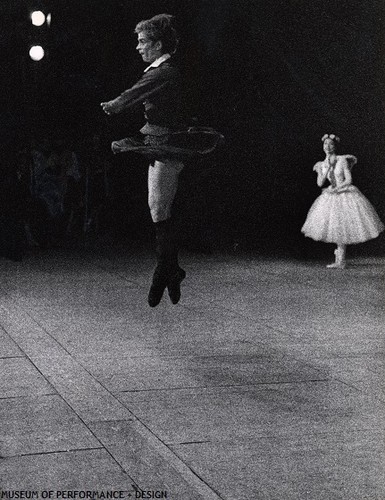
(38, 18)
(48, 18)
(36, 53)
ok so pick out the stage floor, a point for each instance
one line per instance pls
(266, 381)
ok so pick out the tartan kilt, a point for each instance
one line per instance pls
(192, 143)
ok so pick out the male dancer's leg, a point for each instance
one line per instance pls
(162, 188)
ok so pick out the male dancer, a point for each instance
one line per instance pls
(159, 89)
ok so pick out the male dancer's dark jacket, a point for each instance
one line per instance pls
(159, 89)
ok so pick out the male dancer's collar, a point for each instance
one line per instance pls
(158, 62)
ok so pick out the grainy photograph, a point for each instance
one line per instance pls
(192, 249)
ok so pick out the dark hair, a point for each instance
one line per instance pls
(160, 28)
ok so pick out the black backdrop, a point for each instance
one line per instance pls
(273, 76)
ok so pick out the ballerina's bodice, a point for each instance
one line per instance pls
(336, 172)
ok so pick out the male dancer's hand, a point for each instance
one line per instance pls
(106, 107)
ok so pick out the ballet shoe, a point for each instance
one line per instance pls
(173, 285)
(155, 295)
(158, 286)
(336, 265)
(339, 262)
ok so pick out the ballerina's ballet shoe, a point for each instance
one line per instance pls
(339, 262)
(336, 265)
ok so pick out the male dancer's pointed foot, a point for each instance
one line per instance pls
(173, 285)
(158, 286)
(155, 294)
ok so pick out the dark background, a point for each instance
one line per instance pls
(273, 76)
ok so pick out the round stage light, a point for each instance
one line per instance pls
(36, 53)
(38, 18)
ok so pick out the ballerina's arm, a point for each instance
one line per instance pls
(347, 174)
(322, 173)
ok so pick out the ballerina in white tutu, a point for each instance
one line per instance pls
(341, 214)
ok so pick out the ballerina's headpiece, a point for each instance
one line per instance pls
(333, 137)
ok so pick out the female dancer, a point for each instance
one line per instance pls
(341, 214)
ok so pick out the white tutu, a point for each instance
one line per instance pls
(342, 217)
